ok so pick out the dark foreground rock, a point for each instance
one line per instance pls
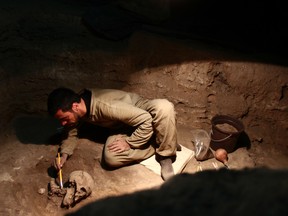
(247, 192)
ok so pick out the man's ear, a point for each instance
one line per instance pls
(75, 107)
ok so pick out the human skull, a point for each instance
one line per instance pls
(80, 186)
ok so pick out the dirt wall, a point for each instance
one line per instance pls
(44, 47)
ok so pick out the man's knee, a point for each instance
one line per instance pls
(111, 162)
(111, 159)
(164, 107)
(108, 157)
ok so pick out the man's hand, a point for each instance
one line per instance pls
(63, 159)
(119, 145)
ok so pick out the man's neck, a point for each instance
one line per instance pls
(86, 96)
(82, 108)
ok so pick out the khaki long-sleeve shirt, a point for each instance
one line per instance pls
(110, 108)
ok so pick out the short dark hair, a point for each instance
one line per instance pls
(61, 98)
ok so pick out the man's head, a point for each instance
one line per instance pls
(63, 104)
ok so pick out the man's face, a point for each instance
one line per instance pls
(68, 118)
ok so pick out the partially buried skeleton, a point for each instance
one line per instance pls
(80, 186)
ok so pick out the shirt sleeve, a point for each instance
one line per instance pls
(69, 144)
(133, 116)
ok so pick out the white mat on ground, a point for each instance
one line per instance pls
(179, 164)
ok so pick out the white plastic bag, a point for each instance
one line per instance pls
(201, 141)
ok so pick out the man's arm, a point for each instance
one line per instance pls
(69, 144)
(133, 116)
(67, 147)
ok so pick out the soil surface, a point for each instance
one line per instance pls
(45, 45)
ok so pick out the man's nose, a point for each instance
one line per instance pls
(63, 123)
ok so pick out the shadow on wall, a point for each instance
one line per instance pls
(48, 131)
(37, 130)
(243, 25)
(52, 27)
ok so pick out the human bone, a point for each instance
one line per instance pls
(81, 185)
(55, 189)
